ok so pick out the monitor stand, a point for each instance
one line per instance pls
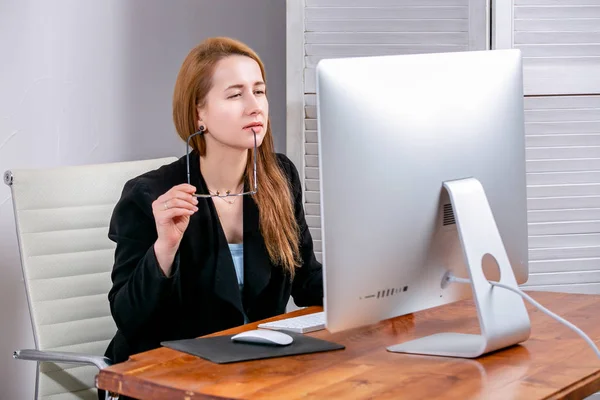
(502, 315)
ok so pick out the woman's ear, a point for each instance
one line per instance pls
(201, 126)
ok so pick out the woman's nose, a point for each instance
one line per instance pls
(253, 106)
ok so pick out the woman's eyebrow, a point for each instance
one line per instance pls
(241, 86)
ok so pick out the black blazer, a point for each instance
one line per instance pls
(202, 295)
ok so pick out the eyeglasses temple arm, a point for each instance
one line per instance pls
(187, 154)
(187, 157)
(254, 156)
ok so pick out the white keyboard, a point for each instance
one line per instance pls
(302, 324)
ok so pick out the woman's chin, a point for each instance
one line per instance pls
(249, 144)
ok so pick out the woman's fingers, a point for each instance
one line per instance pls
(172, 213)
(184, 187)
(179, 203)
(175, 199)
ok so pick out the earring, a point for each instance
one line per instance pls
(200, 131)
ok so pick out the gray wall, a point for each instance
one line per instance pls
(91, 81)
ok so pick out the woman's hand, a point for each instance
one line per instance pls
(172, 212)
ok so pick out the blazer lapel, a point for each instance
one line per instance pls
(226, 284)
(257, 265)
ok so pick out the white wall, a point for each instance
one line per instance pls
(91, 81)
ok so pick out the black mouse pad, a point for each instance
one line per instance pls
(222, 350)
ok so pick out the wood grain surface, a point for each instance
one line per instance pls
(555, 363)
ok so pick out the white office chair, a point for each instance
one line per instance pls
(62, 217)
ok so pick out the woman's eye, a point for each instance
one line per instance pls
(234, 95)
(259, 92)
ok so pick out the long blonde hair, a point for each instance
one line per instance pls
(278, 224)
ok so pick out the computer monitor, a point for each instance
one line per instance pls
(410, 148)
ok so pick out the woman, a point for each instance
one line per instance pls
(187, 266)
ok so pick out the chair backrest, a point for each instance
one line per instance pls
(62, 217)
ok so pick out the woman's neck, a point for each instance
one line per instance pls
(223, 168)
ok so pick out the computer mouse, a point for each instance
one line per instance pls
(263, 336)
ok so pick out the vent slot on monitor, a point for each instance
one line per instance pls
(448, 215)
(388, 292)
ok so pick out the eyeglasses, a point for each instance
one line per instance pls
(228, 194)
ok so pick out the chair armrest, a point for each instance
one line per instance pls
(62, 357)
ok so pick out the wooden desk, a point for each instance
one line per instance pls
(555, 363)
